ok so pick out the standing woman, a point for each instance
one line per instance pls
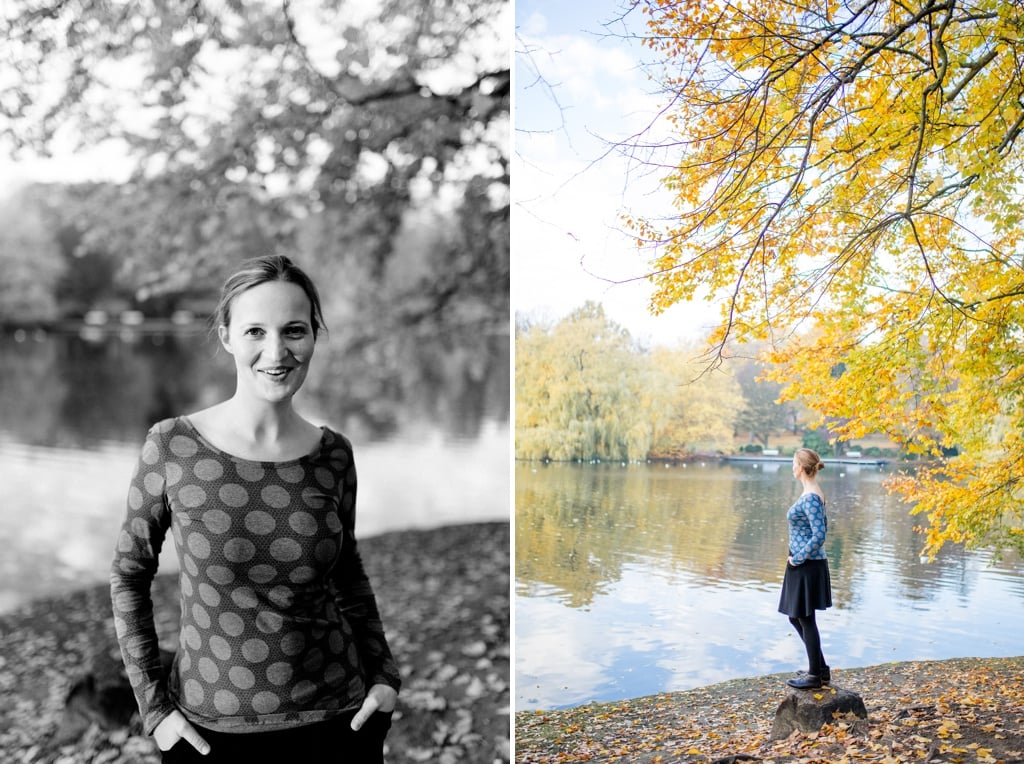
(282, 653)
(806, 586)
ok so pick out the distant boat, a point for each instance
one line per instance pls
(92, 333)
(132, 317)
(95, 318)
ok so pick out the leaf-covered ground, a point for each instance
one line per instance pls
(444, 598)
(963, 710)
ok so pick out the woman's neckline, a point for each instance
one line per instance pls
(262, 462)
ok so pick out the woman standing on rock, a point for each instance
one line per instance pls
(282, 654)
(806, 586)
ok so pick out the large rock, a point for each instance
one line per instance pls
(808, 710)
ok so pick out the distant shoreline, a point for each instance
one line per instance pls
(113, 324)
(869, 461)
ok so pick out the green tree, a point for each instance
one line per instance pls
(855, 169)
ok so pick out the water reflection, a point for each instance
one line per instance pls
(429, 418)
(632, 580)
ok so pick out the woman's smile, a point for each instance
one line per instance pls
(277, 374)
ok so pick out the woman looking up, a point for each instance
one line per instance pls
(282, 654)
(806, 586)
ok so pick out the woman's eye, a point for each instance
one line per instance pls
(253, 332)
(296, 331)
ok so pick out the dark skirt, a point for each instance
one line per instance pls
(805, 588)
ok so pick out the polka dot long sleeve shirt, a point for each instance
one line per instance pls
(807, 527)
(279, 624)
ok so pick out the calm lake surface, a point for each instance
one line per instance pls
(429, 419)
(632, 580)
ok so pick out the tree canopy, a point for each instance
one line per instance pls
(373, 137)
(845, 178)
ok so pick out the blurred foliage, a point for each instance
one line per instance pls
(32, 266)
(374, 145)
(763, 414)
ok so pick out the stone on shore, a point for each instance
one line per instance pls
(808, 710)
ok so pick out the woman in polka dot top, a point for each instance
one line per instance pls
(281, 644)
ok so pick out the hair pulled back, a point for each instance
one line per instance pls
(261, 270)
(809, 461)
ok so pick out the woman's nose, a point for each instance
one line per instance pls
(276, 347)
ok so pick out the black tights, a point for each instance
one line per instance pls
(807, 628)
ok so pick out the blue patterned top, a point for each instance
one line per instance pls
(807, 527)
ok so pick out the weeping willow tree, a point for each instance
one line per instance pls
(576, 390)
(585, 391)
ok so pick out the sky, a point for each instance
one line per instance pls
(568, 245)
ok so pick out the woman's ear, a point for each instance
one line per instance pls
(222, 333)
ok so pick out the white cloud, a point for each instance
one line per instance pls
(576, 93)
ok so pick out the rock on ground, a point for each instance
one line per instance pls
(808, 710)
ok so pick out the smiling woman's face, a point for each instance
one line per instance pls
(271, 339)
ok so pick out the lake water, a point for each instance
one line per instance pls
(633, 580)
(429, 419)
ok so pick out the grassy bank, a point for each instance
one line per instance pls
(961, 710)
(444, 598)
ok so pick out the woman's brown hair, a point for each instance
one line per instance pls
(809, 461)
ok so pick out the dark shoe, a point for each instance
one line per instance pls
(826, 675)
(805, 682)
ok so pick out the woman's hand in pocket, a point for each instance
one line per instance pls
(381, 697)
(176, 727)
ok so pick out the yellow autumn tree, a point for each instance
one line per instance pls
(846, 180)
(576, 390)
(688, 409)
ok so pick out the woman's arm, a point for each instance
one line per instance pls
(355, 595)
(131, 576)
